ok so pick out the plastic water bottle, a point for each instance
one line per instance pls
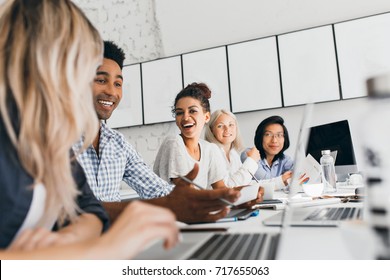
(328, 172)
(373, 138)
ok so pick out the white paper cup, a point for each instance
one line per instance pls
(355, 179)
(269, 189)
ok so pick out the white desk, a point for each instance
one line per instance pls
(297, 242)
(304, 243)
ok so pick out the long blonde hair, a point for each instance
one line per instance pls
(209, 135)
(49, 53)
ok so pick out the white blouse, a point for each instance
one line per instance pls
(239, 174)
(173, 160)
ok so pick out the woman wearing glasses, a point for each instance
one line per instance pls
(271, 139)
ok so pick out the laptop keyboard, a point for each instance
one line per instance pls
(241, 246)
(335, 214)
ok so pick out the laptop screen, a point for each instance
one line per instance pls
(299, 157)
(299, 154)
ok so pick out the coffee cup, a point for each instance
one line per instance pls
(355, 180)
(269, 189)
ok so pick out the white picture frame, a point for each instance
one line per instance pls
(161, 81)
(363, 52)
(129, 111)
(210, 67)
(254, 75)
(308, 66)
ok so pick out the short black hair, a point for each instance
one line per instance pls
(113, 52)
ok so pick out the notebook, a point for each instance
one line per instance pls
(310, 216)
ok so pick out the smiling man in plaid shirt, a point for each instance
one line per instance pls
(111, 159)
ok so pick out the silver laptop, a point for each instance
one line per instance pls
(212, 245)
(216, 243)
(218, 246)
(318, 216)
(312, 216)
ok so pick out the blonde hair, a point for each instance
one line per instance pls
(49, 53)
(209, 135)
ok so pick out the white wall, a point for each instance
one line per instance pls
(149, 29)
(188, 25)
(129, 23)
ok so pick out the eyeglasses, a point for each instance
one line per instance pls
(270, 135)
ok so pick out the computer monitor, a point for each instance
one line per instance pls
(334, 136)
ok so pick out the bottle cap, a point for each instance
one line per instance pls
(325, 152)
(379, 86)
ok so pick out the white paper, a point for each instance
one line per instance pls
(248, 193)
(311, 170)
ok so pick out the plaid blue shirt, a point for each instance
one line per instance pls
(118, 161)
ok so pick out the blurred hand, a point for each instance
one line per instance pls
(285, 176)
(139, 225)
(31, 239)
(193, 205)
(39, 238)
(254, 154)
(260, 195)
(303, 179)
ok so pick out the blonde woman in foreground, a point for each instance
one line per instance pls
(49, 53)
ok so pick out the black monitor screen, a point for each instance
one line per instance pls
(332, 136)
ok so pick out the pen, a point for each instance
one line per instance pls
(253, 176)
(223, 220)
(201, 188)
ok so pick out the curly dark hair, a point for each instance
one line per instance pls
(113, 52)
(199, 91)
(260, 134)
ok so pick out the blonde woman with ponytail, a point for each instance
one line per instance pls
(49, 53)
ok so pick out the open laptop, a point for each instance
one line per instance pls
(218, 244)
(318, 216)
(311, 216)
